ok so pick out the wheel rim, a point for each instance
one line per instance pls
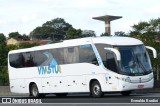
(96, 89)
(34, 91)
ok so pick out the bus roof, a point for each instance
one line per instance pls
(113, 40)
(121, 41)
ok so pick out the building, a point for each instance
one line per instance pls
(17, 41)
(13, 41)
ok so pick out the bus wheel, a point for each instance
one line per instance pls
(34, 91)
(96, 90)
(126, 93)
(61, 94)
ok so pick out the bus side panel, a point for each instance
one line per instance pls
(77, 83)
(71, 79)
(54, 84)
(17, 86)
(109, 82)
(20, 78)
(79, 76)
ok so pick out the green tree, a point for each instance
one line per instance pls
(55, 29)
(37, 33)
(3, 54)
(3, 64)
(88, 33)
(27, 45)
(25, 37)
(105, 34)
(73, 33)
(14, 34)
(147, 30)
(2, 38)
(120, 33)
(4, 78)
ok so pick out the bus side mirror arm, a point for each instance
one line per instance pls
(153, 50)
(118, 55)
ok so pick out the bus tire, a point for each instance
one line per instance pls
(34, 91)
(96, 90)
(126, 93)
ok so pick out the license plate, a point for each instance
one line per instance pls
(140, 86)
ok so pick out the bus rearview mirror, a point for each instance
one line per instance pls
(153, 50)
(116, 52)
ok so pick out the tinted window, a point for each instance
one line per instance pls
(17, 60)
(40, 57)
(108, 58)
(58, 55)
(69, 55)
(86, 54)
(29, 59)
(102, 51)
(111, 62)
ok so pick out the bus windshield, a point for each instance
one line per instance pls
(134, 60)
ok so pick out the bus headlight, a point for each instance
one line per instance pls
(125, 79)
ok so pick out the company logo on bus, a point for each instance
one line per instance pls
(49, 69)
(52, 68)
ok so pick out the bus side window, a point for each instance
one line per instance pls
(87, 55)
(71, 55)
(111, 62)
(16, 60)
(29, 59)
(58, 55)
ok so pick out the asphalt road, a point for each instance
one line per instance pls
(78, 99)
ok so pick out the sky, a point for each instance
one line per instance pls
(25, 15)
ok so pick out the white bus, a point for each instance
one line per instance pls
(96, 65)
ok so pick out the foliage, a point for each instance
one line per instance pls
(2, 38)
(73, 33)
(88, 33)
(58, 29)
(55, 29)
(4, 49)
(105, 34)
(3, 54)
(150, 30)
(14, 34)
(27, 45)
(4, 78)
(19, 36)
(25, 37)
(120, 33)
